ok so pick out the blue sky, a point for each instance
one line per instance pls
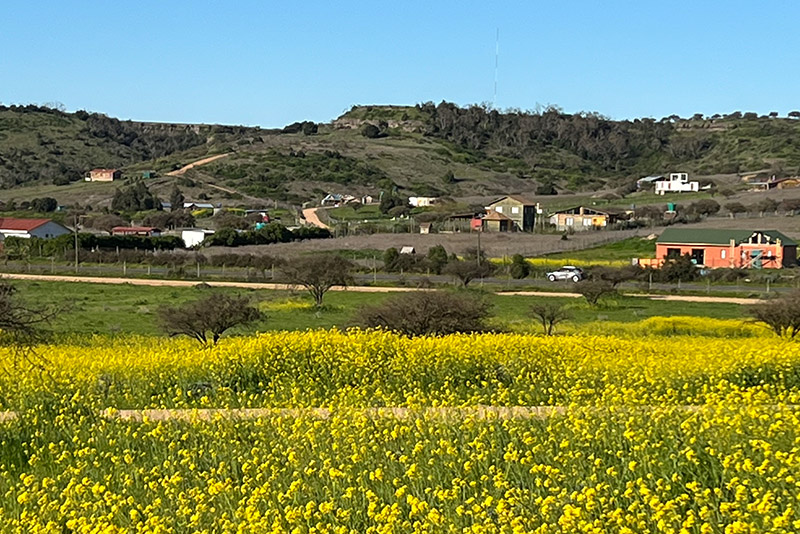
(272, 63)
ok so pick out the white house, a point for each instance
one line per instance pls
(194, 236)
(27, 228)
(420, 202)
(678, 183)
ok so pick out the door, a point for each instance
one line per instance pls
(755, 259)
(699, 256)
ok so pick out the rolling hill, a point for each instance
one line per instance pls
(429, 150)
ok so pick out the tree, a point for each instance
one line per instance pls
(615, 275)
(44, 205)
(176, 199)
(370, 131)
(680, 269)
(520, 268)
(594, 290)
(705, 207)
(437, 258)
(781, 314)
(21, 326)
(208, 318)
(467, 271)
(735, 208)
(318, 274)
(794, 114)
(549, 314)
(391, 257)
(428, 313)
(105, 222)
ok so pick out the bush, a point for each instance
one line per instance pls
(549, 314)
(594, 290)
(428, 313)
(782, 314)
(520, 268)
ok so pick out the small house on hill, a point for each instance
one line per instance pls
(520, 211)
(27, 228)
(678, 182)
(744, 249)
(103, 175)
(582, 218)
(496, 222)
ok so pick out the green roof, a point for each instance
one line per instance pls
(714, 236)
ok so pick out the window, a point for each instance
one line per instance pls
(499, 209)
(514, 209)
(587, 222)
(723, 254)
(569, 221)
(673, 253)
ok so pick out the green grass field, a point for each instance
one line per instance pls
(634, 247)
(113, 309)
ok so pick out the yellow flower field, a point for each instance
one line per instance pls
(664, 433)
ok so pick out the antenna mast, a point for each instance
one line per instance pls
(496, 57)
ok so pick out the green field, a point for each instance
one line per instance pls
(634, 247)
(116, 309)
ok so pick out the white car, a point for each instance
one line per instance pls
(567, 272)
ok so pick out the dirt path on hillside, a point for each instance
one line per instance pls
(311, 217)
(354, 289)
(197, 163)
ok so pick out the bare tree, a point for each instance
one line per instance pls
(318, 274)
(208, 318)
(549, 314)
(22, 326)
(467, 271)
(782, 314)
(593, 290)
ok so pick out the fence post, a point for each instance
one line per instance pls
(124, 267)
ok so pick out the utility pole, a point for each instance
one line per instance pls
(75, 227)
(479, 247)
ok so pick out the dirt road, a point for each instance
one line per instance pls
(197, 163)
(311, 217)
(354, 289)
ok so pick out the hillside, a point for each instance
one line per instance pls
(437, 150)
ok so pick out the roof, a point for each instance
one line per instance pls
(133, 229)
(104, 170)
(651, 178)
(495, 216)
(522, 200)
(714, 236)
(25, 225)
(576, 210)
(205, 205)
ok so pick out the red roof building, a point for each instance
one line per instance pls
(27, 228)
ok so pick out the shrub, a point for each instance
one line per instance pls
(520, 268)
(782, 314)
(594, 290)
(428, 313)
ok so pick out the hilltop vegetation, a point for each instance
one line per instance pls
(428, 149)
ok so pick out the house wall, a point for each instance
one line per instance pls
(48, 230)
(103, 176)
(730, 256)
(523, 216)
(578, 223)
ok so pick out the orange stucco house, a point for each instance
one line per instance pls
(713, 248)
